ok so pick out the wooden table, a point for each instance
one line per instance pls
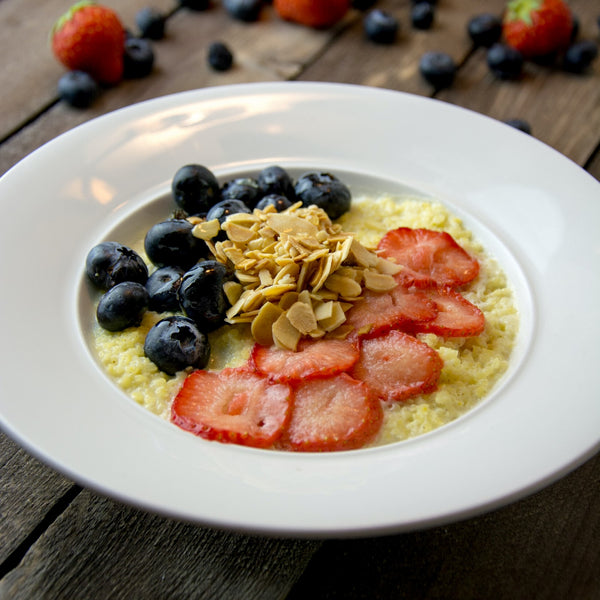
(58, 540)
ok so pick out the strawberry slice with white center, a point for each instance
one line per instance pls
(313, 358)
(456, 317)
(397, 366)
(428, 257)
(335, 413)
(233, 405)
(377, 313)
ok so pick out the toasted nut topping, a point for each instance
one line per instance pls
(262, 325)
(378, 282)
(206, 230)
(302, 317)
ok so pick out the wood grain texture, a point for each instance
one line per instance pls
(100, 549)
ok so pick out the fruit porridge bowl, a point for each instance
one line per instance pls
(111, 179)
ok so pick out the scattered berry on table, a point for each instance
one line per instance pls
(576, 27)
(245, 189)
(122, 306)
(176, 343)
(325, 191)
(220, 57)
(277, 200)
(78, 89)
(244, 10)
(171, 243)
(110, 263)
(276, 180)
(438, 69)
(537, 27)
(138, 58)
(201, 294)
(485, 29)
(380, 26)
(151, 23)
(312, 13)
(504, 61)
(519, 124)
(90, 37)
(195, 189)
(422, 15)
(235, 406)
(163, 287)
(580, 56)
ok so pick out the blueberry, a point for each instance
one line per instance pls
(277, 200)
(504, 61)
(151, 23)
(438, 69)
(244, 188)
(326, 191)
(244, 10)
(162, 286)
(579, 56)
(485, 29)
(172, 243)
(421, 15)
(519, 124)
(138, 58)
(122, 306)
(78, 89)
(176, 343)
(195, 189)
(220, 57)
(276, 180)
(195, 4)
(201, 294)
(110, 263)
(380, 26)
(221, 210)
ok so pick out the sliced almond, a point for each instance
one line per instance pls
(285, 335)
(262, 325)
(344, 286)
(206, 230)
(302, 317)
(379, 282)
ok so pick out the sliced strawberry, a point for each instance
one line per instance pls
(456, 317)
(335, 413)
(428, 256)
(234, 405)
(377, 313)
(397, 366)
(314, 358)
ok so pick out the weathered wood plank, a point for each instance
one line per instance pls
(29, 490)
(545, 547)
(101, 549)
(28, 80)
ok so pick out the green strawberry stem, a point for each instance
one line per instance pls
(69, 14)
(520, 10)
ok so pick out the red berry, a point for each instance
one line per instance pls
(313, 13)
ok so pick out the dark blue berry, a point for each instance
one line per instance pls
(175, 343)
(380, 26)
(276, 180)
(195, 189)
(244, 10)
(277, 200)
(172, 243)
(220, 57)
(163, 286)
(485, 29)
(122, 306)
(201, 294)
(244, 188)
(221, 210)
(138, 58)
(438, 69)
(422, 15)
(325, 191)
(579, 56)
(151, 23)
(78, 89)
(504, 61)
(519, 124)
(110, 263)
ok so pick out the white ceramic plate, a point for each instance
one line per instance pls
(534, 209)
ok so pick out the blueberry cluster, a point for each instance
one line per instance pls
(186, 279)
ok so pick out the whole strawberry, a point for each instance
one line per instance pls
(90, 37)
(312, 13)
(537, 28)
